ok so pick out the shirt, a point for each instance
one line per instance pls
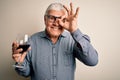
(48, 61)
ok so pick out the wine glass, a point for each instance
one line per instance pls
(22, 40)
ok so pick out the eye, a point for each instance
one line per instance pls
(64, 20)
(59, 17)
(51, 17)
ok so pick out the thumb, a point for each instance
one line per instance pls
(23, 57)
(61, 23)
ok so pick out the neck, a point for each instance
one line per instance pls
(54, 39)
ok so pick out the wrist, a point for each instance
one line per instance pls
(73, 30)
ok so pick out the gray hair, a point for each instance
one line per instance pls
(54, 6)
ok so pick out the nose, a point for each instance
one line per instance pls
(56, 22)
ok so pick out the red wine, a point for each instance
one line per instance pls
(24, 47)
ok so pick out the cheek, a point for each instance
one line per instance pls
(48, 24)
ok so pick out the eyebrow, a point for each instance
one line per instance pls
(54, 16)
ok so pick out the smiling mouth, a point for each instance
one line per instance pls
(56, 28)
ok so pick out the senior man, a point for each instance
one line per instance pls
(54, 50)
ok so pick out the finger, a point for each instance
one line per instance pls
(67, 9)
(29, 48)
(17, 51)
(16, 57)
(61, 23)
(77, 11)
(14, 45)
(23, 57)
(71, 6)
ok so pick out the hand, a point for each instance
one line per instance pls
(70, 22)
(16, 55)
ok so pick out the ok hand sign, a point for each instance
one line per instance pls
(69, 22)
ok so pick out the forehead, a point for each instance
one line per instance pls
(56, 13)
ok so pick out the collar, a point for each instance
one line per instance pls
(43, 34)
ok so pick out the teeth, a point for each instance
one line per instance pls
(55, 28)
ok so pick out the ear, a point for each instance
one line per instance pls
(45, 19)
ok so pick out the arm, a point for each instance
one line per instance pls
(24, 59)
(83, 50)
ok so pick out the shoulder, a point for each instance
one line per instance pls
(37, 35)
(67, 37)
(66, 34)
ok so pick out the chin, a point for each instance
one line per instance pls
(56, 34)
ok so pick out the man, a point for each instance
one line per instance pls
(53, 51)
